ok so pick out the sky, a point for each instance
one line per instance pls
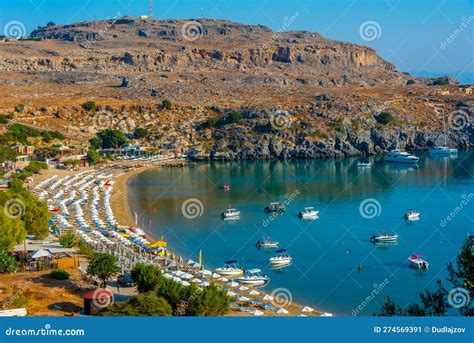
(419, 36)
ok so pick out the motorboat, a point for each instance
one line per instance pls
(281, 259)
(253, 277)
(275, 207)
(308, 213)
(443, 150)
(382, 236)
(412, 215)
(267, 242)
(417, 261)
(231, 213)
(399, 156)
(364, 164)
(230, 268)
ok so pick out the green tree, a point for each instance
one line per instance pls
(213, 301)
(235, 116)
(36, 167)
(95, 143)
(68, 240)
(140, 132)
(93, 156)
(89, 105)
(384, 118)
(60, 274)
(148, 304)
(167, 104)
(212, 122)
(8, 263)
(112, 139)
(12, 231)
(147, 277)
(103, 266)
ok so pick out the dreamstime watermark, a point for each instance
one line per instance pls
(280, 120)
(282, 297)
(459, 120)
(465, 22)
(20, 289)
(14, 208)
(192, 31)
(192, 208)
(377, 288)
(102, 298)
(15, 29)
(45, 331)
(288, 199)
(370, 208)
(466, 199)
(287, 23)
(100, 34)
(370, 30)
(459, 297)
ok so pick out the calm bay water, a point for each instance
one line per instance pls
(328, 250)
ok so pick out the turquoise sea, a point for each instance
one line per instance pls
(185, 205)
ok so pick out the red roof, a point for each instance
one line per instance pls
(99, 293)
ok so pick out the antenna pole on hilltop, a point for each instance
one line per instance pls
(151, 9)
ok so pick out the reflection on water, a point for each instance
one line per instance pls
(325, 251)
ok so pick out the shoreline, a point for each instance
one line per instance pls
(122, 209)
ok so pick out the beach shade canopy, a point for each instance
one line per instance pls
(159, 244)
(205, 272)
(196, 280)
(267, 298)
(326, 314)
(190, 262)
(204, 284)
(233, 284)
(187, 276)
(243, 299)
(185, 283)
(40, 253)
(231, 294)
(254, 292)
(223, 279)
(243, 288)
(282, 311)
(307, 309)
(215, 275)
(257, 313)
(167, 276)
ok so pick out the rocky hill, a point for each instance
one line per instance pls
(298, 94)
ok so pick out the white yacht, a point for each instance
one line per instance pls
(364, 164)
(383, 237)
(417, 261)
(267, 242)
(399, 156)
(231, 213)
(253, 277)
(443, 150)
(308, 213)
(230, 269)
(412, 215)
(282, 259)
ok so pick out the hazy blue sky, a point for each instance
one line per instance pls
(413, 33)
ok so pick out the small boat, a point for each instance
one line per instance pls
(399, 156)
(412, 215)
(231, 213)
(275, 207)
(364, 164)
(308, 213)
(253, 277)
(442, 150)
(267, 242)
(417, 261)
(230, 268)
(382, 236)
(281, 259)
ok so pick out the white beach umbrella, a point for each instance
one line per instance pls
(254, 292)
(244, 299)
(257, 313)
(307, 309)
(204, 284)
(243, 288)
(326, 314)
(231, 294)
(215, 275)
(185, 283)
(196, 280)
(267, 298)
(282, 311)
(233, 284)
